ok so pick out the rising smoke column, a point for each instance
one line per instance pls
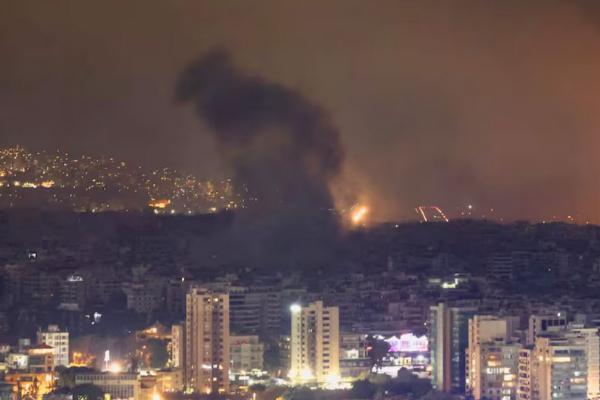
(281, 148)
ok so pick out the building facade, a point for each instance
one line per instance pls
(120, 386)
(315, 343)
(177, 345)
(540, 324)
(207, 341)
(59, 341)
(561, 369)
(246, 354)
(492, 359)
(448, 341)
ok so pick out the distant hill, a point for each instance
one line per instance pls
(64, 181)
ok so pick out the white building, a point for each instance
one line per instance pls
(59, 341)
(315, 344)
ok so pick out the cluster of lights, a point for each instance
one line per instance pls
(87, 183)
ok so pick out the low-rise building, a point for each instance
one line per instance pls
(120, 386)
(246, 354)
(59, 341)
(41, 358)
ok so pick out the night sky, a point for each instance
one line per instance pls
(495, 104)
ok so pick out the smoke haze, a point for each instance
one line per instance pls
(448, 103)
(283, 152)
(282, 149)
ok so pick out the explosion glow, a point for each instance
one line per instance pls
(115, 367)
(359, 214)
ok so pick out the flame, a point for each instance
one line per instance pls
(159, 203)
(359, 214)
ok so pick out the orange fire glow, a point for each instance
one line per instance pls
(359, 214)
(159, 203)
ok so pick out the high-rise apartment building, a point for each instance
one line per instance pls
(207, 341)
(59, 341)
(448, 341)
(560, 370)
(563, 364)
(315, 343)
(177, 345)
(255, 310)
(526, 371)
(496, 376)
(590, 339)
(73, 292)
(492, 360)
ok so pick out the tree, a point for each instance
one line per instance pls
(408, 383)
(363, 389)
(159, 354)
(404, 376)
(377, 350)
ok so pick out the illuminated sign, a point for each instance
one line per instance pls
(408, 343)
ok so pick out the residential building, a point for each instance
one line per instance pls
(540, 324)
(491, 359)
(525, 375)
(315, 343)
(448, 341)
(589, 338)
(207, 341)
(255, 310)
(59, 341)
(142, 299)
(41, 358)
(246, 353)
(177, 345)
(561, 369)
(496, 374)
(73, 292)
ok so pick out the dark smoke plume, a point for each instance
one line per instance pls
(282, 149)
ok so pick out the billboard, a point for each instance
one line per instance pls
(408, 343)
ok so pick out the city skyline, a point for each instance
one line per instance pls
(271, 200)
